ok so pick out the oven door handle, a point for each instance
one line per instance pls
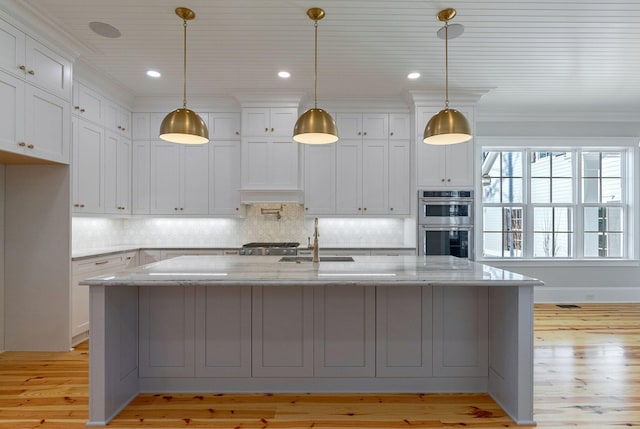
(446, 228)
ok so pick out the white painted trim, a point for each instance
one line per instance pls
(575, 294)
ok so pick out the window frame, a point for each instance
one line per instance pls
(578, 232)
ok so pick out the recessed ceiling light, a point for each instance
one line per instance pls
(153, 73)
(105, 30)
(284, 74)
(413, 75)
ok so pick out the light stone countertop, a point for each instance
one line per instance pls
(266, 270)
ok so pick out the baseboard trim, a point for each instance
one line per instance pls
(573, 294)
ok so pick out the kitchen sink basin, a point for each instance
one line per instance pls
(300, 259)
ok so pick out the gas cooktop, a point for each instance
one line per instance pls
(270, 248)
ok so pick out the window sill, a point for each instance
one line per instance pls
(561, 262)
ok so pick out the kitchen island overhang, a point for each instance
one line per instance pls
(253, 324)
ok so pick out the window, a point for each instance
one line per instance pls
(557, 204)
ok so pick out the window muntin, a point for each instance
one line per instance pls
(555, 199)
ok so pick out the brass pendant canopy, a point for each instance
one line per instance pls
(315, 126)
(448, 126)
(184, 126)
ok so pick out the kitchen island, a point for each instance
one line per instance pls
(254, 324)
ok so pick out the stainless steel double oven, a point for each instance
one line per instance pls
(445, 223)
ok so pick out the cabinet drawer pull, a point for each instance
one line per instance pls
(231, 252)
(101, 262)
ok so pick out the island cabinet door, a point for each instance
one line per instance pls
(460, 331)
(223, 331)
(344, 331)
(282, 339)
(167, 329)
(404, 331)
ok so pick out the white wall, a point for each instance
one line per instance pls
(572, 281)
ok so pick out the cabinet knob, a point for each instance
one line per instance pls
(271, 129)
(391, 133)
(76, 205)
(81, 110)
(119, 127)
(31, 72)
(266, 130)
(175, 208)
(443, 180)
(22, 67)
(81, 205)
(237, 133)
(181, 208)
(448, 180)
(22, 144)
(359, 208)
(365, 209)
(391, 209)
(359, 133)
(365, 133)
(237, 209)
(306, 208)
(124, 129)
(30, 146)
(76, 107)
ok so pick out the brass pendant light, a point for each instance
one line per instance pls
(315, 126)
(183, 125)
(448, 126)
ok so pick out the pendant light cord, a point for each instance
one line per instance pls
(184, 76)
(315, 71)
(446, 64)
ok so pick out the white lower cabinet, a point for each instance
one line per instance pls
(344, 331)
(83, 269)
(404, 331)
(223, 331)
(282, 339)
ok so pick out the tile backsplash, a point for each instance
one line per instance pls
(91, 233)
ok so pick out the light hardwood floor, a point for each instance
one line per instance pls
(587, 374)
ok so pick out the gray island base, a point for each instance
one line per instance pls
(240, 324)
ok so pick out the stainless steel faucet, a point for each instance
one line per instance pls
(314, 246)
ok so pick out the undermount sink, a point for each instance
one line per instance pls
(299, 259)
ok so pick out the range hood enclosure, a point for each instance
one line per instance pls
(285, 196)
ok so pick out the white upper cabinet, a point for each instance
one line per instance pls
(277, 121)
(368, 172)
(224, 126)
(140, 126)
(320, 179)
(224, 189)
(179, 178)
(140, 177)
(88, 104)
(11, 113)
(443, 166)
(269, 154)
(30, 60)
(117, 119)
(117, 186)
(87, 167)
(47, 122)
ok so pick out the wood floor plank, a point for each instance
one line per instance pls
(586, 374)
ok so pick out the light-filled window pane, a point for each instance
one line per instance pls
(603, 219)
(541, 164)
(603, 245)
(491, 192)
(540, 190)
(492, 218)
(563, 219)
(492, 244)
(590, 190)
(561, 190)
(543, 219)
(611, 190)
(590, 164)
(611, 164)
(511, 190)
(511, 164)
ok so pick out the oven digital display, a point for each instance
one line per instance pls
(446, 210)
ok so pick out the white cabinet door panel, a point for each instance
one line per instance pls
(349, 177)
(47, 121)
(375, 126)
(400, 194)
(47, 69)
(165, 178)
(400, 126)
(195, 179)
(282, 342)
(11, 113)
(375, 177)
(282, 121)
(404, 331)
(88, 104)
(140, 191)
(12, 48)
(320, 179)
(224, 126)
(349, 126)
(117, 174)
(223, 331)
(224, 191)
(88, 167)
(255, 163)
(283, 159)
(344, 331)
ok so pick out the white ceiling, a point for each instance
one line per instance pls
(542, 54)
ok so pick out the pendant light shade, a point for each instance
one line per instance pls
(184, 126)
(315, 126)
(448, 126)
